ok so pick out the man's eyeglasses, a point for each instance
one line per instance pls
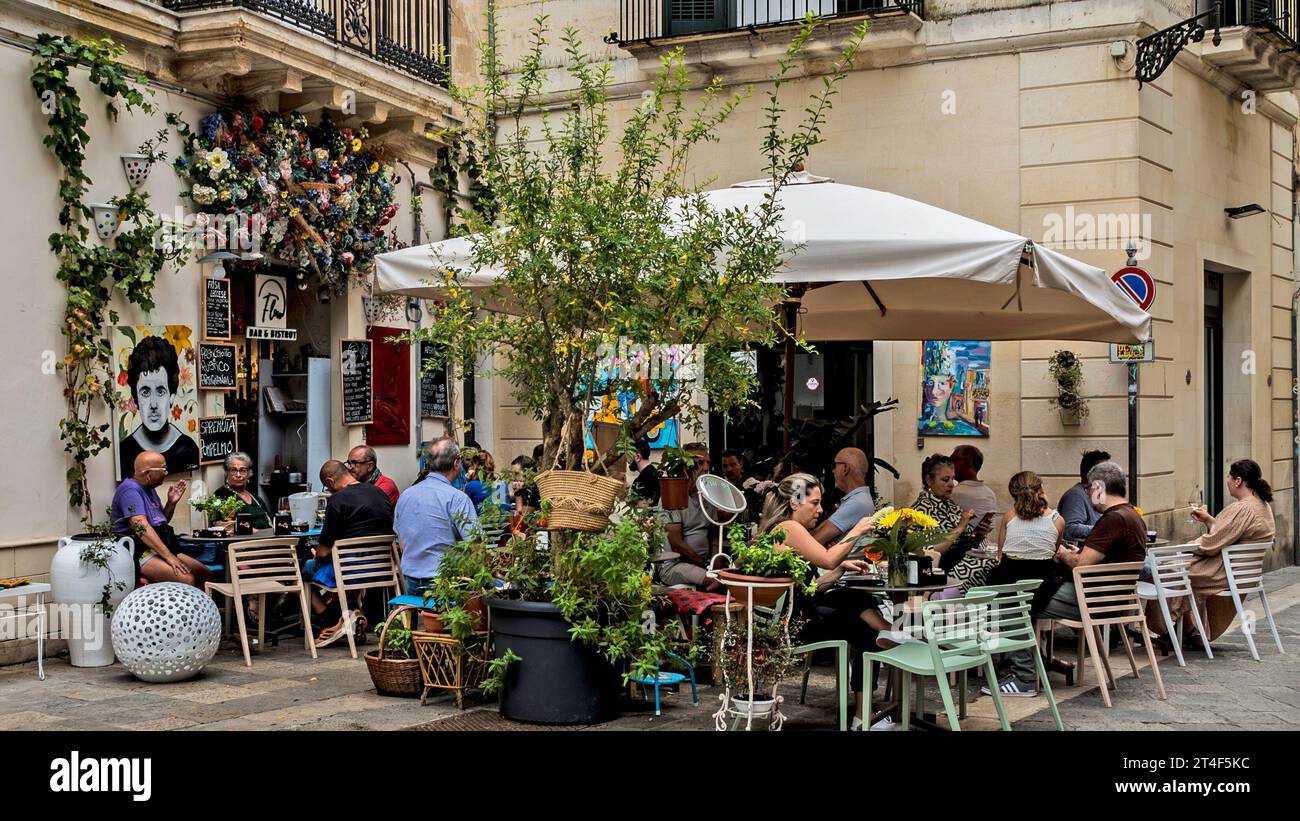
(151, 470)
(351, 462)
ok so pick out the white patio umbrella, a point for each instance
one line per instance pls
(881, 266)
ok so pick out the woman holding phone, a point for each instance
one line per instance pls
(964, 571)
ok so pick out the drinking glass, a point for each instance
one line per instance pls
(1195, 501)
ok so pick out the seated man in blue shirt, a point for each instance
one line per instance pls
(850, 472)
(432, 516)
(1075, 507)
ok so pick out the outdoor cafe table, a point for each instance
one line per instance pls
(899, 594)
(226, 541)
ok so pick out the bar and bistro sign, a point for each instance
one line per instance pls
(271, 305)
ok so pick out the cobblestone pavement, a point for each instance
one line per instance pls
(286, 689)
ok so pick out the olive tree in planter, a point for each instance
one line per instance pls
(616, 276)
(1066, 370)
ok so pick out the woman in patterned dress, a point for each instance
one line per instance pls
(939, 477)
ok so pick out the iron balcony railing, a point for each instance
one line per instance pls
(410, 35)
(641, 20)
(1276, 16)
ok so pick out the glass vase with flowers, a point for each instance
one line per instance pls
(898, 534)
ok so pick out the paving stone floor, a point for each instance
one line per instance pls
(287, 689)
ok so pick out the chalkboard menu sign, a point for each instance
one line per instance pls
(217, 367)
(356, 371)
(216, 308)
(218, 438)
(433, 384)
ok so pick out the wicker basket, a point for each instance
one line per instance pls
(394, 677)
(579, 500)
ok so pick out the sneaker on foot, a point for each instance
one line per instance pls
(892, 638)
(887, 723)
(1012, 686)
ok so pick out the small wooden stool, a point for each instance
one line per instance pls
(449, 664)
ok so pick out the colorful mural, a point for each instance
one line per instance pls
(955, 388)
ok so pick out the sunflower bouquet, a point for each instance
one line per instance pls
(899, 533)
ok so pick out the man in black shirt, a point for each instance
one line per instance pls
(646, 484)
(354, 509)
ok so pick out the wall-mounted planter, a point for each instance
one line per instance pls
(1070, 417)
(107, 220)
(136, 167)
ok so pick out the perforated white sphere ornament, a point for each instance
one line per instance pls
(166, 631)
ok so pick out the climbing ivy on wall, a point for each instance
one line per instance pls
(91, 272)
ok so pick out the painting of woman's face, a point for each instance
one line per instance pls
(154, 399)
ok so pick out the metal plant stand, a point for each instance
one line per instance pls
(771, 710)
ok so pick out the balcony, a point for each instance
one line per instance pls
(742, 40)
(644, 21)
(410, 35)
(1259, 46)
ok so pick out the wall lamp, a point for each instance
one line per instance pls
(216, 259)
(1244, 211)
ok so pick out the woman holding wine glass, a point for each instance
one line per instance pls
(1249, 518)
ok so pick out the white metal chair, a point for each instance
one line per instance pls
(1171, 581)
(257, 568)
(359, 564)
(1244, 565)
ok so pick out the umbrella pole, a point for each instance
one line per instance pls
(791, 306)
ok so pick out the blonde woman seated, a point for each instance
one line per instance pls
(846, 614)
(1248, 519)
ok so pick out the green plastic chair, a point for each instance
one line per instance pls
(1013, 629)
(841, 649)
(956, 640)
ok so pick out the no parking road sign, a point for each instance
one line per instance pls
(1137, 285)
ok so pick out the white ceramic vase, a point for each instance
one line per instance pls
(79, 587)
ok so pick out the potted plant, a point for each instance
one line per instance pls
(760, 562)
(137, 166)
(1066, 369)
(219, 511)
(773, 658)
(465, 576)
(94, 570)
(621, 282)
(394, 668)
(899, 534)
(566, 639)
(674, 487)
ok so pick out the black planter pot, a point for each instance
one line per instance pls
(558, 680)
